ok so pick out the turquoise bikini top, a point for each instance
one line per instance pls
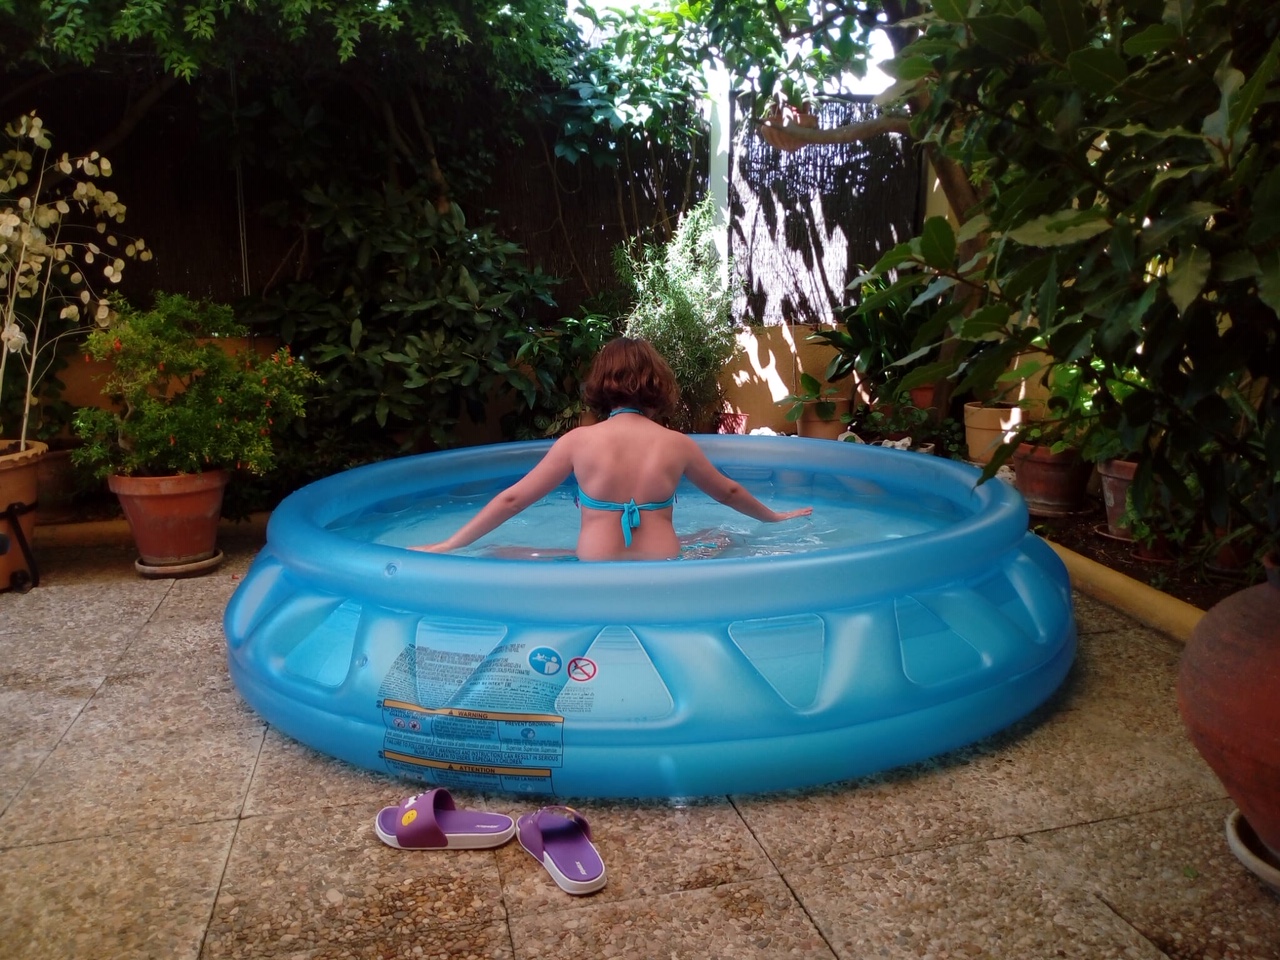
(630, 510)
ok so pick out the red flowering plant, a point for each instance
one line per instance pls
(184, 399)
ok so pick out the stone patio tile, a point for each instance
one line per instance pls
(1172, 876)
(970, 900)
(648, 849)
(70, 631)
(1097, 749)
(447, 941)
(145, 895)
(204, 597)
(35, 712)
(174, 704)
(757, 919)
(102, 788)
(172, 644)
(291, 777)
(322, 881)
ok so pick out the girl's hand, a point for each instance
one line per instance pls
(791, 514)
(431, 548)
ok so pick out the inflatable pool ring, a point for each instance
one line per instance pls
(653, 678)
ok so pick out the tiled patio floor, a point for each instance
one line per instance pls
(148, 813)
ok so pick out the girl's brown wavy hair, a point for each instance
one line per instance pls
(629, 372)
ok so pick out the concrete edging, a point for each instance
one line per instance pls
(1144, 603)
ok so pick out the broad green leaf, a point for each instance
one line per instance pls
(936, 286)
(357, 328)
(1098, 70)
(929, 373)
(908, 68)
(952, 11)
(892, 258)
(1177, 13)
(972, 227)
(1188, 276)
(1154, 39)
(1269, 280)
(1216, 125)
(1158, 233)
(1064, 21)
(938, 244)
(986, 323)
(1061, 228)
(1254, 91)
(899, 90)
(1265, 209)
(1005, 36)
(1236, 265)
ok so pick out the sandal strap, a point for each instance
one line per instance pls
(552, 819)
(417, 825)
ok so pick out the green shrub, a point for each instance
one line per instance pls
(186, 404)
(683, 307)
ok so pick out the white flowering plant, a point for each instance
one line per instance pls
(55, 244)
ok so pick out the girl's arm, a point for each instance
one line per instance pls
(703, 475)
(551, 471)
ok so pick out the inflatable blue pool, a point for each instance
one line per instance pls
(657, 678)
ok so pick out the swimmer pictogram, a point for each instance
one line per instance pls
(581, 669)
(545, 660)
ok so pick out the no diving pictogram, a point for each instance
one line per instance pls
(581, 669)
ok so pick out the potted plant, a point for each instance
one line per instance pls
(683, 306)
(817, 411)
(895, 424)
(879, 342)
(188, 410)
(53, 239)
(1049, 470)
(1140, 226)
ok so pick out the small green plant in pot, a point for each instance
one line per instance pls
(188, 411)
(816, 410)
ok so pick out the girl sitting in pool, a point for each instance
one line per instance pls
(627, 467)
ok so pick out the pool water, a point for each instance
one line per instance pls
(839, 521)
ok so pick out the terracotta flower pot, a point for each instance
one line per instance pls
(1053, 484)
(988, 426)
(19, 473)
(812, 425)
(174, 520)
(1227, 685)
(1115, 477)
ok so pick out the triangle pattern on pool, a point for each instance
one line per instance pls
(788, 652)
(932, 652)
(615, 680)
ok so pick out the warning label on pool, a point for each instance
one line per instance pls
(476, 706)
(472, 748)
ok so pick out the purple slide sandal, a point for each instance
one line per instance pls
(559, 838)
(431, 821)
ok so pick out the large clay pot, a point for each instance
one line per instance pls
(1115, 477)
(1053, 484)
(812, 424)
(19, 484)
(986, 426)
(174, 520)
(1227, 693)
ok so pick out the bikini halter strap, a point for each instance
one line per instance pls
(618, 410)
